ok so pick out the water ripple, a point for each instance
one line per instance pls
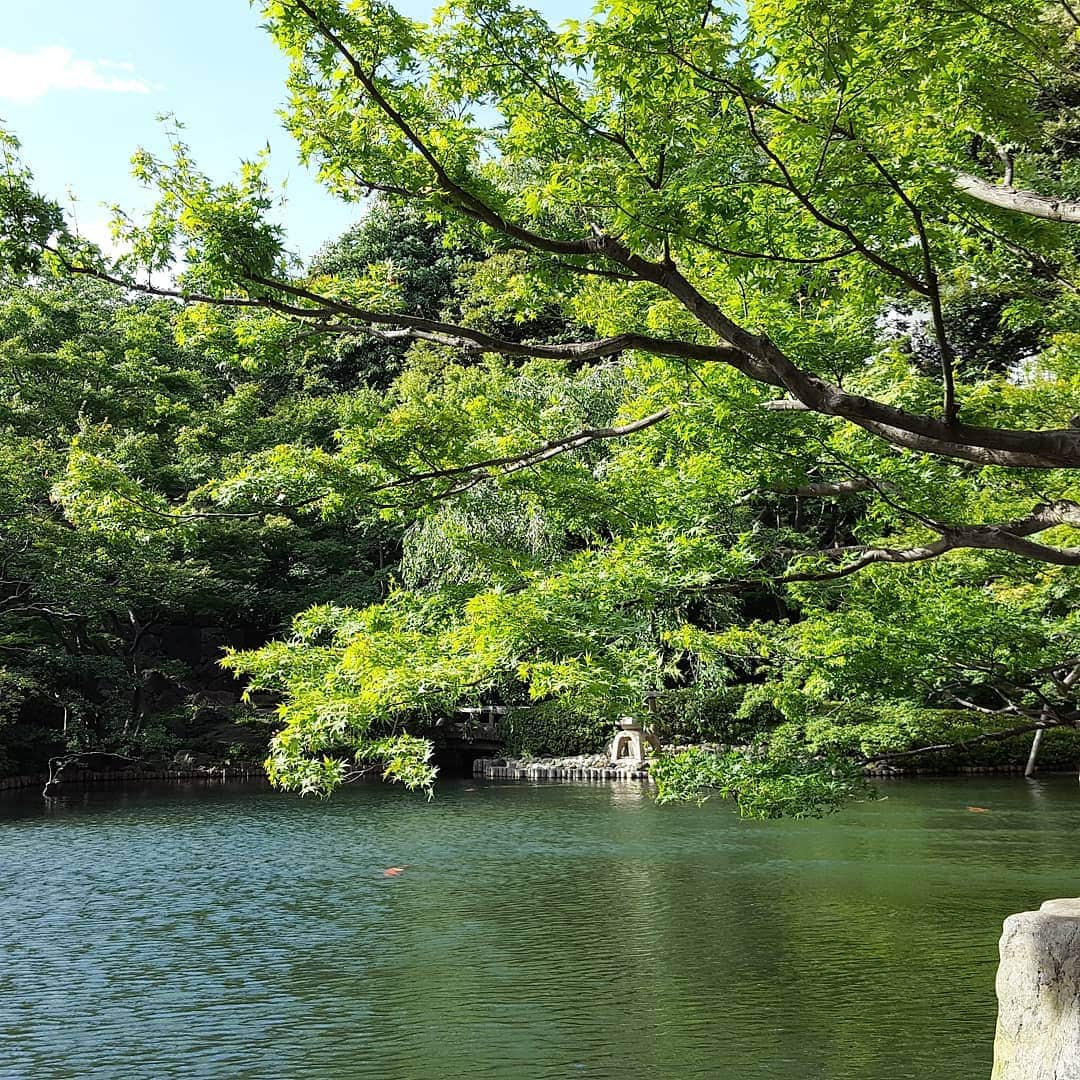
(544, 931)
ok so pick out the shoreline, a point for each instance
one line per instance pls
(594, 768)
(547, 769)
(79, 778)
(500, 768)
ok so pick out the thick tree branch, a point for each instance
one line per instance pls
(411, 327)
(828, 488)
(753, 355)
(761, 359)
(1010, 536)
(963, 744)
(1048, 207)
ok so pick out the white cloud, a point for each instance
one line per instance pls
(27, 76)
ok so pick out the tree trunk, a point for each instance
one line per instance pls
(1029, 769)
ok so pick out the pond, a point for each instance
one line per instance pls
(535, 931)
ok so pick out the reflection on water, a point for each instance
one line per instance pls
(536, 931)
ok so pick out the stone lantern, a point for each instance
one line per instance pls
(632, 742)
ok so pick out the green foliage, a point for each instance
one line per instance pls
(732, 715)
(27, 220)
(553, 728)
(411, 254)
(107, 420)
(902, 726)
(761, 785)
(454, 520)
(589, 632)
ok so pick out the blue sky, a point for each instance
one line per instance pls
(81, 84)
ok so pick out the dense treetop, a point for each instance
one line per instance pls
(668, 335)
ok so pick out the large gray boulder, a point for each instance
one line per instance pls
(1038, 989)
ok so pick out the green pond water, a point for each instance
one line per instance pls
(537, 931)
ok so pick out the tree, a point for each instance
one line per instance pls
(109, 404)
(410, 251)
(778, 226)
(809, 178)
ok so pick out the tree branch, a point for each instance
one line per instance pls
(415, 328)
(473, 473)
(514, 462)
(990, 736)
(462, 198)
(753, 355)
(1010, 536)
(828, 488)
(1048, 207)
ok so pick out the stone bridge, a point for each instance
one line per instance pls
(469, 734)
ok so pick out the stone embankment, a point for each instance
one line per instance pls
(586, 767)
(955, 770)
(601, 767)
(82, 777)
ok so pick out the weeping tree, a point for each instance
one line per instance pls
(830, 251)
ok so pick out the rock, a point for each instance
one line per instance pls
(217, 699)
(1038, 988)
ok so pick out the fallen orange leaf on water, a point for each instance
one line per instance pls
(393, 871)
(978, 809)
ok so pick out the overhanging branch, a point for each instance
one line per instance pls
(1048, 207)
(753, 355)
(1010, 536)
(963, 744)
(463, 477)
(326, 313)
